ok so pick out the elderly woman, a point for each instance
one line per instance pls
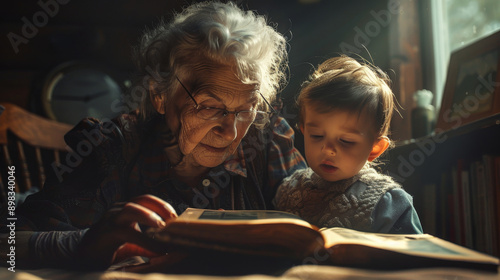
(205, 136)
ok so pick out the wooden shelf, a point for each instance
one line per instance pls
(440, 172)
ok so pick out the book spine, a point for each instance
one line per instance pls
(430, 210)
(491, 229)
(496, 185)
(481, 208)
(459, 194)
(469, 238)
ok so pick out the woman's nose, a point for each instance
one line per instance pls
(227, 127)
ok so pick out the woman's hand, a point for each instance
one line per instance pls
(117, 235)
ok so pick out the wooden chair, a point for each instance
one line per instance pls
(31, 144)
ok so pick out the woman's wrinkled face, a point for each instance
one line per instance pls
(210, 142)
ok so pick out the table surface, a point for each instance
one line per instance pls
(310, 272)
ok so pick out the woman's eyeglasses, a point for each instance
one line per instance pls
(247, 116)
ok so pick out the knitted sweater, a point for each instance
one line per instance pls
(346, 203)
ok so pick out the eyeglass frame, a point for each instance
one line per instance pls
(226, 112)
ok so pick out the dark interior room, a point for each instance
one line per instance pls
(103, 33)
(442, 58)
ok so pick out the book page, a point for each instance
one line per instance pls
(255, 232)
(411, 244)
(246, 215)
(235, 215)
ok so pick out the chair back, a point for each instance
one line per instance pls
(31, 144)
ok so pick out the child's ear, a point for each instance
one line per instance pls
(157, 99)
(301, 127)
(379, 147)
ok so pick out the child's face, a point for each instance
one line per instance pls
(337, 143)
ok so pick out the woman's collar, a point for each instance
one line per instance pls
(236, 163)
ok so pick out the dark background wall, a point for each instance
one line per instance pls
(104, 31)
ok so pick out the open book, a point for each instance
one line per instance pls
(284, 235)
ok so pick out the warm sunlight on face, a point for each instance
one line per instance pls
(210, 142)
(337, 143)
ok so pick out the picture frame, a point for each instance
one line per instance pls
(472, 89)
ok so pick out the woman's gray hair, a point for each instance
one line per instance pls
(216, 32)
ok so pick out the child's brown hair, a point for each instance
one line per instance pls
(345, 84)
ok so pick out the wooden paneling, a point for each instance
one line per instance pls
(405, 60)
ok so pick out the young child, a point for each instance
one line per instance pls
(345, 112)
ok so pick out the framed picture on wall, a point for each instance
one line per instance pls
(472, 90)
